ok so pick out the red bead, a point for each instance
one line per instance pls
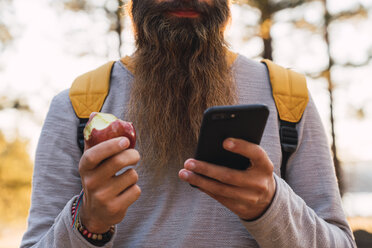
(85, 232)
(89, 235)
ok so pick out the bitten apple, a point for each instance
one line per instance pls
(103, 126)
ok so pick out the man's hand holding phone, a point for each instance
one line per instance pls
(248, 193)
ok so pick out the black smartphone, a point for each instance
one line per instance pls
(220, 122)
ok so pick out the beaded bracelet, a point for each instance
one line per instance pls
(93, 238)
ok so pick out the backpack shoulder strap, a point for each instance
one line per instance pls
(289, 91)
(88, 93)
(291, 97)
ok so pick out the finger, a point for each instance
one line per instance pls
(128, 197)
(253, 180)
(122, 182)
(221, 173)
(117, 162)
(209, 185)
(95, 155)
(249, 150)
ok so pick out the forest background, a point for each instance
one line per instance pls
(45, 44)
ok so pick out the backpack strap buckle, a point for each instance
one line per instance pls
(288, 141)
(288, 136)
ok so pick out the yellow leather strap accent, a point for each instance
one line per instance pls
(289, 91)
(88, 92)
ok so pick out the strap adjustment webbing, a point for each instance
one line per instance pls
(80, 133)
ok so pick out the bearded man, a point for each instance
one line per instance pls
(182, 66)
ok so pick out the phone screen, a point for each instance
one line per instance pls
(220, 122)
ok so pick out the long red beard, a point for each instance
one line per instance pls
(180, 70)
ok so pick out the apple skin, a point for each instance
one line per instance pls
(117, 128)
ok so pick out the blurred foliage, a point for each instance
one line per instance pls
(113, 9)
(273, 6)
(358, 13)
(15, 180)
(5, 34)
(268, 8)
(18, 104)
(76, 5)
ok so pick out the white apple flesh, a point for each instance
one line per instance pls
(103, 126)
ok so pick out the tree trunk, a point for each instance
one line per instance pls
(120, 24)
(268, 50)
(265, 29)
(336, 161)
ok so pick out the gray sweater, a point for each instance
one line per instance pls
(306, 210)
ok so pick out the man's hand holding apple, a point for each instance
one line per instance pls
(247, 193)
(107, 196)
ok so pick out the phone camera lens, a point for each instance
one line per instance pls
(219, 117)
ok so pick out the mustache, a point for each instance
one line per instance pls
(193, 5)
(175, 5)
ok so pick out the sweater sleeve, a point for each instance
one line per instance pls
(56, 181)
(306, 210)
